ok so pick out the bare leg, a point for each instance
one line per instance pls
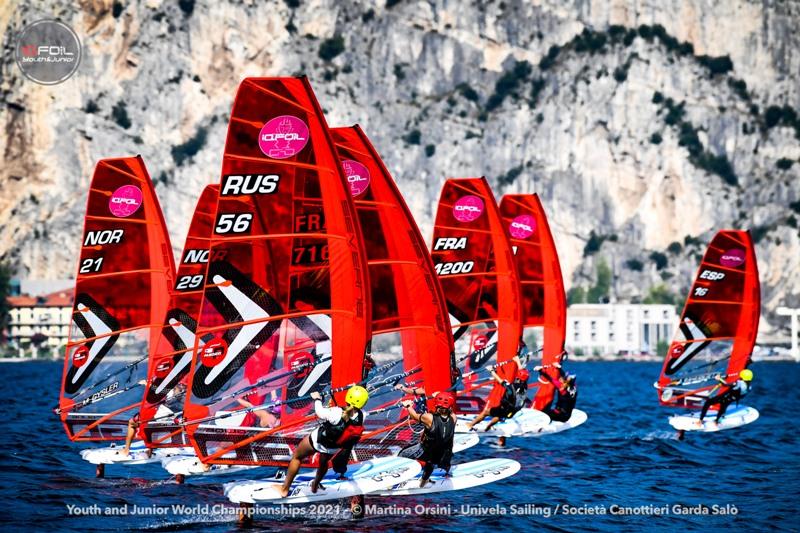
(303, 450)
(492, 422)
(478, 419)
(132, 425)
(100, 471)
(322, 469)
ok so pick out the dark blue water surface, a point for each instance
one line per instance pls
(625, 455)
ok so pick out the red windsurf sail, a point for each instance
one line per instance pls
(411, 338)
(544, 302)
(125, 273)
(718, 325)
(286, 308)
(162, 406)
(478, 276)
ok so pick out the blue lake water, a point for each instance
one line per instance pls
(626, 455)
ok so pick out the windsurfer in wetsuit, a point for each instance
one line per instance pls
(732, 392)
(567, 389)
(435, 447)
(340, 428)
(515, 395)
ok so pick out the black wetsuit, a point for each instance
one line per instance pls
(733, 393)
(514, 398)
(435, 448)
(344, 436)
(565, 403)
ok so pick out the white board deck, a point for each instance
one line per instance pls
(734, 417)
(525, 421)
(465, 441)
(361, 478)
(462, 476)
(137, 455)
(577, 418)
(192, 466)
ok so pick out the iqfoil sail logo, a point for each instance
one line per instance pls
(522, 227)
(357, 176)
(125, 201)
(283, 137)
(48, 52)
(468, 208)
(732, 258)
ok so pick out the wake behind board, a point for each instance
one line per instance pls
(578, 417)
(738, 416)
(361, 478)
(524, 422)
(138, 454)
(462, 476)
(192, 466)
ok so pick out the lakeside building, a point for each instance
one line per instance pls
(39, 323)
(617, 328)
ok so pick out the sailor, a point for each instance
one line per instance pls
(515, 396)
(133, 427)
(340, 429)
(435, 447)
(732, 392)
(567, 388)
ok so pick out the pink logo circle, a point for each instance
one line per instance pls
(357, 176)
(125, 201)
(732, 258)
(522, 227)
(468, 208)
(283, 137)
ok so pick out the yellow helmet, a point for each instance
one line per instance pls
(746, 374)
(357, 396)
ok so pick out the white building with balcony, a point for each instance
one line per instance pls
(616, 328)
(40, 323)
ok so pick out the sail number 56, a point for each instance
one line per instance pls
(233, 223)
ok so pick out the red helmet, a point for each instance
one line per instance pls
(445, 400)
(523, 374)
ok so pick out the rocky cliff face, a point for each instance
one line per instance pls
(649, 123)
